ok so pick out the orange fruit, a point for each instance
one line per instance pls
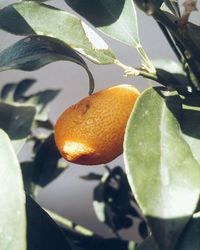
(92, 131)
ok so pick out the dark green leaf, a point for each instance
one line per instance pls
(92, 177)
(148, 6)
(116, 18)
(162, 170)
(190, 240)
(22, 87)
(148, 244)
(28, 18)
(113, 208)
(44, 124)
(16, 121)
(45, 167)
(27, 172)
(173, 76)
(12, 208)
(142, 228)
(194, 34)
(33, 52)
(7, 92)
(42, 231)
(173, 6)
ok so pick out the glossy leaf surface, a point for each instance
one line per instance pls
(34, 52)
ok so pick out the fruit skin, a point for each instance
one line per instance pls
(92, 131)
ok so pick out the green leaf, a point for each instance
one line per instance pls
(27, 172)
(34, 52)
(148, 244)
(12, 209)
(12, 92)
(22, 87)
(7, 92)
(193, 33)
(45, 166)
(162, 170)
(190, 130)
(28, 18)
(169, 65)
(42, 231)
(190, 237)
(173, 6)
(115, 18)
(148, 6)
(16, 121)
(173, 75)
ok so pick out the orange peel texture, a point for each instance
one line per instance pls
(92, 131)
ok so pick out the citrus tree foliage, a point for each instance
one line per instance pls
(161, 183)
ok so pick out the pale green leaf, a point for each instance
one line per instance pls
(162, 170)
(190, 126)
(12, 197)
(115, 18)
(28, 18)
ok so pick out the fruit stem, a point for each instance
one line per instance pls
(129, 71)
(148, 65)
(166, 79)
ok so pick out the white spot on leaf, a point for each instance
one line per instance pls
(97, 41)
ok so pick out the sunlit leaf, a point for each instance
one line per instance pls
(12, 208)
(162, 170)
(28, 18)
(116, 18)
